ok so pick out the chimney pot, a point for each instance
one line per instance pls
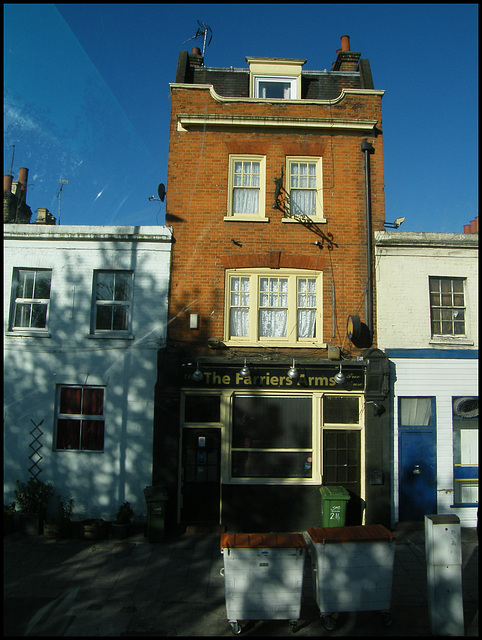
(196, 51)
(466, 228)
(474, 225)
(7, 183)
(22, 181)
(345, 43)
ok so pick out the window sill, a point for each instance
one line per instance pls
(313, 219)
(29, 334)
(247, 218)
(287, 345)
(111, 335)
(274, 481)
(440, 340)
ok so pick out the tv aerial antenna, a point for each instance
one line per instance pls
(204, 31)
(61, 182)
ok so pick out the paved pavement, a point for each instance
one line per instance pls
(132, 587)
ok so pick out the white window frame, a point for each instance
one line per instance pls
(291, 339)
(450, 308)
(260, 216)
(318, 215)
(31, 331)
(127, 304)
(291, 81)
(79, 417)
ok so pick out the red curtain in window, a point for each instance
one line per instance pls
(93, 402)
(68, 434)
(71, 400)
(92, 435)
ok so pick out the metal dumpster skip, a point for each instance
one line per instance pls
(352, 569)
(263, 576)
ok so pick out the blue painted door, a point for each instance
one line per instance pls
(417, 446)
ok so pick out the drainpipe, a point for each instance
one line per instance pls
(367, 148)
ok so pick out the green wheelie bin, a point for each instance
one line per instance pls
(333, 505)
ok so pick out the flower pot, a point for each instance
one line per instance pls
(93, 529)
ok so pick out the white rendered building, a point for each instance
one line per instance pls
(85, 310)
(427, 319)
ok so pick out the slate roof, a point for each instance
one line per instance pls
(233, 82)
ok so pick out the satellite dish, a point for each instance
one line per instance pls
(161, 192)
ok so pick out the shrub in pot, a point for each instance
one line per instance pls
(59, 525)
(121, 525)
(32, 498)
(94, 529)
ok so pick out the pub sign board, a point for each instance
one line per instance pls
(312, 377)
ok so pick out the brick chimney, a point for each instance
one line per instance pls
(44, 216)
(15, 208)
(473, 227)
(346, 60)
(195, 57)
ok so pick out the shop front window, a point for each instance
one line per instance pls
(272, 437)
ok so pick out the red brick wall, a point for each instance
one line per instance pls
(197, 197)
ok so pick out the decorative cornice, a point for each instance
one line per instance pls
(85, 233)
(215, 96)
(186, 120)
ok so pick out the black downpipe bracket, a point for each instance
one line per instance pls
(367, 148)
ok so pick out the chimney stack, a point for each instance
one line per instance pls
(473, 226)
(346, 60)
(22, 181)
(195, 57)
(44, 216)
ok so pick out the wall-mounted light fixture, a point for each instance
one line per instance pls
(198, 375)
(394, 225)
(293, 372)
(245, 372)
(340, 377)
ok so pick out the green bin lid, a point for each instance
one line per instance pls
(335, 492)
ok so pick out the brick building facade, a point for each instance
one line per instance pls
(275, 186)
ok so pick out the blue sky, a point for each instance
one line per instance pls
(86, 97)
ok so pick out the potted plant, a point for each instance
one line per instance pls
(94, 529)
(8, 518)
(32, 498)
(121, 525)
(59, 525)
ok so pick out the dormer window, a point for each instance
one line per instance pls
(275, 87)
(275, 78)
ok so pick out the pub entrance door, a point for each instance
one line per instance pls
(200, 475)
(341, 466)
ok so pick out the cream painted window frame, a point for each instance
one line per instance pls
(247, 217)
(319, 215)
(273, 79)
(291, 339)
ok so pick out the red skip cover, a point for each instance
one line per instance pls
(361, 533)
(262, 540)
